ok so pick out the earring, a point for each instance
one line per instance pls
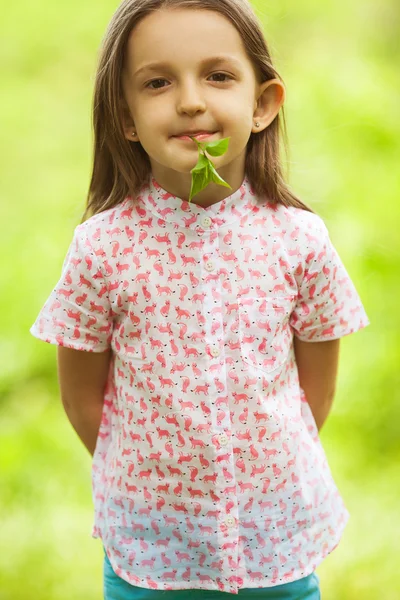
(133, 134)
(257, 124)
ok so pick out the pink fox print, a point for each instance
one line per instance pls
(208, 470)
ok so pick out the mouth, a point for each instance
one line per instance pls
(199, 136)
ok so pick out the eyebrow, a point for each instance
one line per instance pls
(205, 62)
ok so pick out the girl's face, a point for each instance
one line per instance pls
(190, 92)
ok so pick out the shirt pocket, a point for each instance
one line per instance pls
(265, 334)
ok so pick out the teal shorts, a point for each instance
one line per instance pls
(116, 588)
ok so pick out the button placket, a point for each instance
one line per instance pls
(204, 225)
(210, 266)
(229, 521)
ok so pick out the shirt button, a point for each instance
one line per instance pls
(223, 439)
(210, 266)
(215, 351)
(206, 222)
(229, 522)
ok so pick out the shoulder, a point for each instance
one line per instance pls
(302, 225)
(108, 224)
(304, 219)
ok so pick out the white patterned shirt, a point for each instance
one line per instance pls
(208, 470)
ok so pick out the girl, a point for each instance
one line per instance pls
(198, 341)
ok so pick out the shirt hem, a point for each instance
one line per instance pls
(247, 584)
(336, 336)
(50, 338)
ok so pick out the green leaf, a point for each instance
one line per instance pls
(204, 172)
(202, 163)
(217, 178)
(217, 148)
(200, 180)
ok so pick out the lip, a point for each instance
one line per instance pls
(202, 135)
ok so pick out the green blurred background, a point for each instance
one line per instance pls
(340, 63)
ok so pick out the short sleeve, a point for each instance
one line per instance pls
(77, 313)
(328, 306)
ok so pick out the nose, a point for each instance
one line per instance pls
(190, 98)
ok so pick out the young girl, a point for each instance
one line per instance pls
(198, 341)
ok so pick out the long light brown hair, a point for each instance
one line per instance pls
(121, 167)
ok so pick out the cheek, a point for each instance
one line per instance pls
(149, 113)
(152, 125)
(236, 118)
(236, 106)
(238, 124)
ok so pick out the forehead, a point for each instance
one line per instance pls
(184, 37)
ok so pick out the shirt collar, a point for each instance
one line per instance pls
(183, 214)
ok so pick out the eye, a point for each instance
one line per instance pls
(154, 81)
(221, 74)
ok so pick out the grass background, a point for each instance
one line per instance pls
(340, 64)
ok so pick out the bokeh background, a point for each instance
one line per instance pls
(340, 63)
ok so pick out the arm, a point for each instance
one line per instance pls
(317, 364)
(82, 378)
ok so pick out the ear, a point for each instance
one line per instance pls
(127, 121)
(270, 97)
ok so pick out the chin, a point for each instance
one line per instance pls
(183, 166)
